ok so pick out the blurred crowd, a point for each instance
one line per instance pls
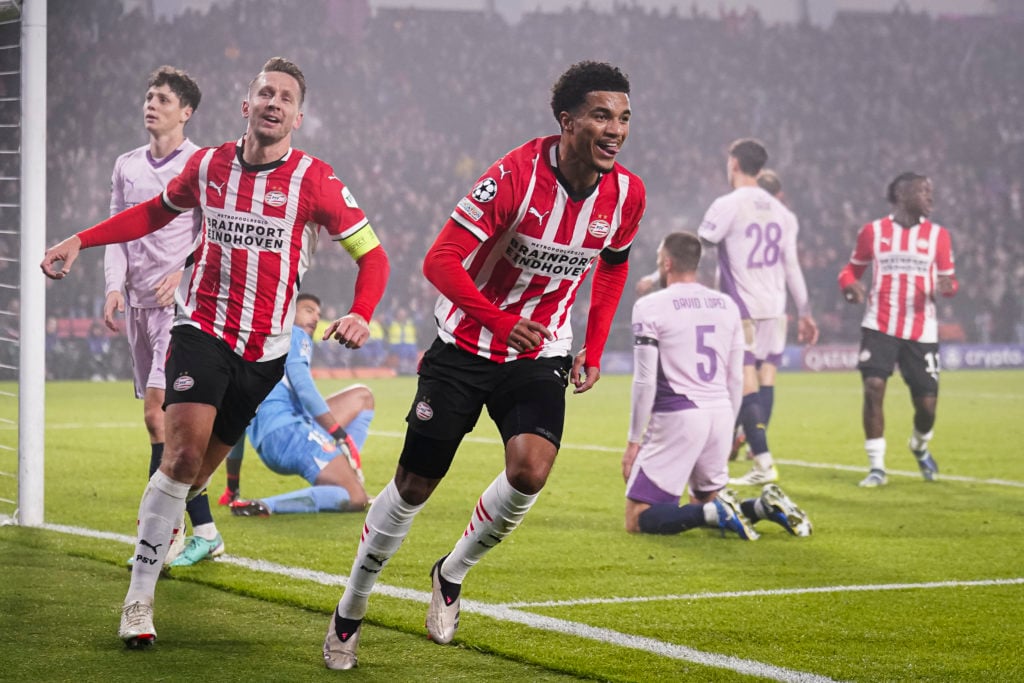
(410, 106)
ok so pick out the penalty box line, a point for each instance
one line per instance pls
(505, 613)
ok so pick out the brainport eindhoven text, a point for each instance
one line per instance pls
(548, 261)
(253, 232)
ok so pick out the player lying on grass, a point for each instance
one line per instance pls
(296, 431)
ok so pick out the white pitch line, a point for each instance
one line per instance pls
(866, 588)
(505, 613)
(900, 473)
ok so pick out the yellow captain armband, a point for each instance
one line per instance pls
(360, 242)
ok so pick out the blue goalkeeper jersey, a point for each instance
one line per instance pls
(295, 399)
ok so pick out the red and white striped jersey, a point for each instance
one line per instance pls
(905, 263)
(259, 232)
(536, 244)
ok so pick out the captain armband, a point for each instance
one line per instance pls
(644, 341)
(360, 242)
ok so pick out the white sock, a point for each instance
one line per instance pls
(875, 448)
(764, 461)
(386, 526)
(161, 509)
(206, 531)
(498, 512)
(710, 514)
(919, 441)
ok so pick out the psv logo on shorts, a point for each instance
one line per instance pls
(183, 383)
(423, 411)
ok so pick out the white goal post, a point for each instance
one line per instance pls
(31, 354)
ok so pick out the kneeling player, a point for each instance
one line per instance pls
(687, 387)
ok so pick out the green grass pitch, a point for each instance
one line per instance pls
(911, 582)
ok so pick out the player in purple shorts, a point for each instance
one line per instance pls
(756, 239)
(687, 387)
(142, 276)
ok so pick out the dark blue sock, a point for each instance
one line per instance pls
(666, 518)
(767, 397)
(748, 509)
(753, 424)
(156, 454)
(198, 510)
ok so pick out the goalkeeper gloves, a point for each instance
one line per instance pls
(349, 448)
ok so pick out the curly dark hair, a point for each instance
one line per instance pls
(903, 178)
(180, 83)
(570, 91)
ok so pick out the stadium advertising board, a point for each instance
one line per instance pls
(843, 357)
(826, 357)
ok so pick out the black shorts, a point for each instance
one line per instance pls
(918, 361)
(201, 368)
(525, 396)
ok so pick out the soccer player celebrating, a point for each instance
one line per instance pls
(143, 275)
(508, 264)
(263, 204)
(687, 386)
(911, 260)
(757, 261)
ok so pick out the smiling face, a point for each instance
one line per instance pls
(273, 107)
(163, 112)
(593, 135)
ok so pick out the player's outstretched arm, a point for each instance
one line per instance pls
(64, 253)
(128, 225)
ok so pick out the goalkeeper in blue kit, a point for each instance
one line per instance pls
(297, 431)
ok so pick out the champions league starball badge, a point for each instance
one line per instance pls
(485, 190)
